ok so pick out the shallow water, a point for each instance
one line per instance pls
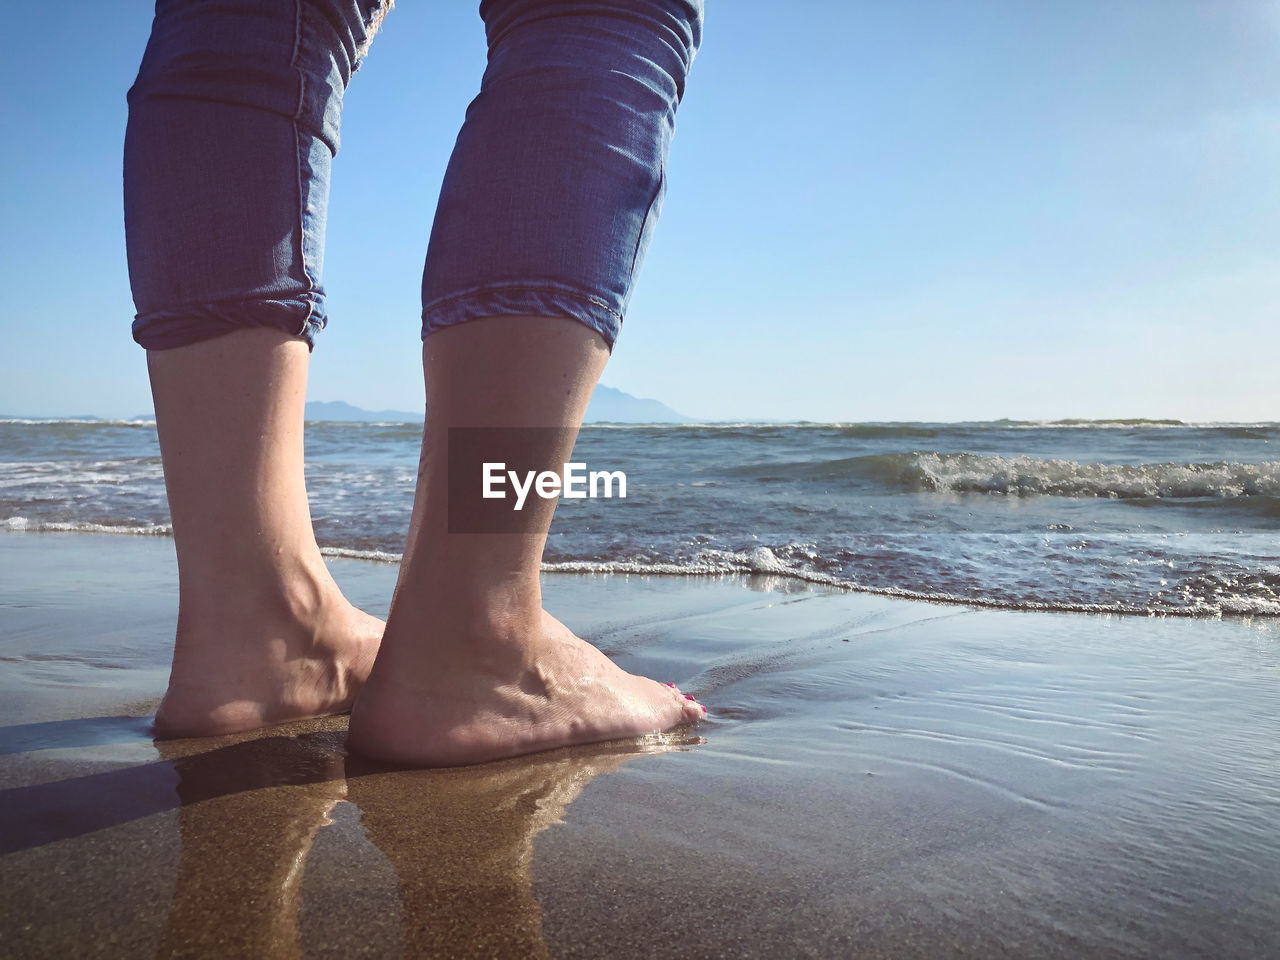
(878, 777)
(1122, 516)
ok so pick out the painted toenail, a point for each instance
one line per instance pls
(704, 708)
(690, 696)
(670, 684)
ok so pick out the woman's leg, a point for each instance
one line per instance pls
(232, 126)
(546, 210)
(264, 634)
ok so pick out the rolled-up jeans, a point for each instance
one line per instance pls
(547, 206)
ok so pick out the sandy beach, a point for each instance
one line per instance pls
(878, 777)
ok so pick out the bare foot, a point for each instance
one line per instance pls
(262, 661)
(532, 690)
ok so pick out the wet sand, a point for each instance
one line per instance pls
(879, 777)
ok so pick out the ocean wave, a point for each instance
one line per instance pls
(1023, 476)
(1026, 476)
(60, 475)
(396, 427)
(1245, 509)
(1256, 427)
(1217, 588)
(24, 525)
(348, 553)
(78, 421)
(1113, 423)
(907, 428)
(1239, 593)
(870, 429)
(704, 568)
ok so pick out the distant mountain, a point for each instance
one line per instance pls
(607, 406)
(345, 412)
(613, 406)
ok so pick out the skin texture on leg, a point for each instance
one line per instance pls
(472, 668)
(264, 634)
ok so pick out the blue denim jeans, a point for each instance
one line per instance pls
(548, 203)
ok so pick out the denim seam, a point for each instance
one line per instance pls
(517, 286)
(648, 215)
(297, 165)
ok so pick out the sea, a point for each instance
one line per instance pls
(1110, 516)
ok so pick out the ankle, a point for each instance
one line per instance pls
(473, 599)
(426, 644)
(293, 589)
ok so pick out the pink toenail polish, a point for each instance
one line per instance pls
(690, 696)
(704, 707)
(670, 684)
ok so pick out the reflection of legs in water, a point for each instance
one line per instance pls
(250, 814)
(461, 842)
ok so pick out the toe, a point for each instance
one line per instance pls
(683, 707)
(691, 711)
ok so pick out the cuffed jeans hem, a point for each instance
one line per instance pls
(168, 329)
(522, 301)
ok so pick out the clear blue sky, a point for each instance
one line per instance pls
(878, 210)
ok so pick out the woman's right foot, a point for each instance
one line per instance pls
(504, 691)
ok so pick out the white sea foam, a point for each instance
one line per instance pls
(730, 566)
(379, 556)
(24, 525)
(1199, 597)
(1027, 476)
(1233, 592)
